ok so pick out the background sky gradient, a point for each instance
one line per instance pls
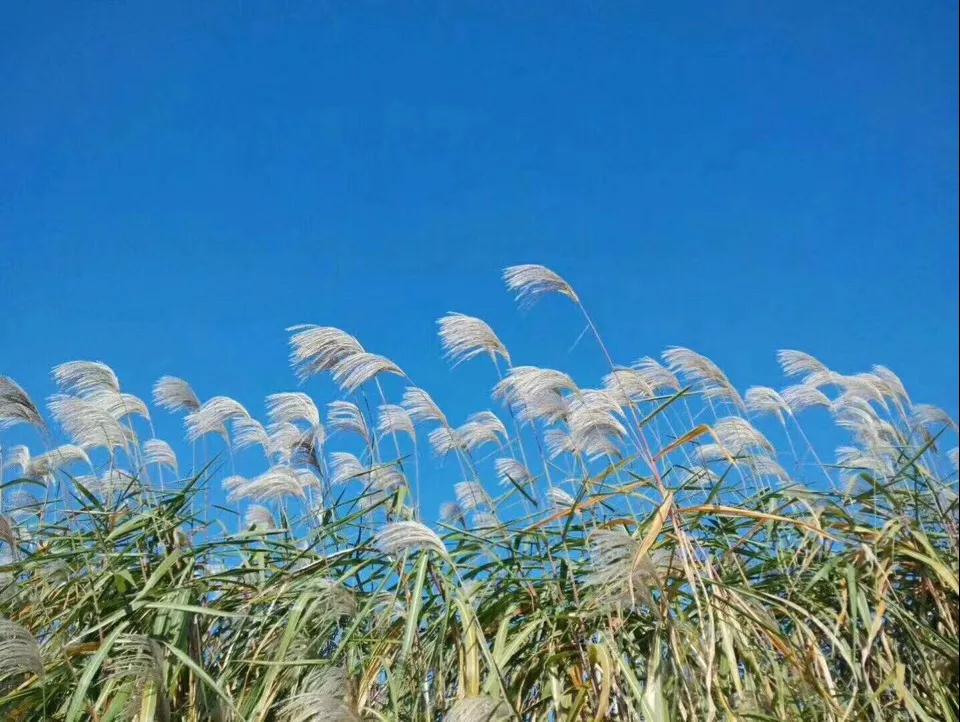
(179, 182)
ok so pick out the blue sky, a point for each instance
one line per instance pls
(181, 181)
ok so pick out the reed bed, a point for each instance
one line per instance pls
(662, 546)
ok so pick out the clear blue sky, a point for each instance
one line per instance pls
(180, 181)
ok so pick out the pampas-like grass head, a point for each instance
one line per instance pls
(87, 424)
(798, 363)
(478, 709)
(324, 695)
(483, 427)
(50, 462)
(275, 483)
(19, 651)
(16, 406)
(347, 416)
(395, 419)
(510, 471)
(354, 370)
(315, 349)
(399, 537)
(464, 337)
(259, 518)
(158, 451)
(707, 377)
(212, 417)
(84, 377)
(764, 400)
(472, 496)
(174, 394)
(535, 394)
(529, 282)
(293, 406)
(421, 406)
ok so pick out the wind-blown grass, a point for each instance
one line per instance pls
(636, 551)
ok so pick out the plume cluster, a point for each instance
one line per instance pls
(652, 544)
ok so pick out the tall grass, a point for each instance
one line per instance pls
(636, 551)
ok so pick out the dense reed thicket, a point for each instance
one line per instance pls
(636, 551)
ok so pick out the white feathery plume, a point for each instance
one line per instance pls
(6, 578)
(925, 415)
(451, 512)
(293, 406)
(464, 337)
(174, 394)
(259, 518)
(627, 386)
(764, 400)
(8, 534)
(483, 427)
(111, 483)
(954, 456)
(399, 537)
(866, 386)
(703, 479)
(386, 478)
(804, 396)
(592, 411)
(763, 465)
(472, 496)
(284, 439)
(484, 521)
(531, 281)
(738, 435)
(158, 451)
(394, 420)
(707, 453)
(309, 450)
(857, 416)
(353, 371)
(512, 471)
(275, 483)
(307, 477)
(619, 572)
(478, 709)
(18, 456)
(137, 660)
(856, 459)
(50, 462)
(314, 349)
(339, 600)
(798, 363)
(118, 405)
(248, 432)
(234, 482)
(324, 695)
(443, 440)
(16, 406)
(706, 376)
(345, 467)
(212, 416)
(421, 406)
(559, 442)
(595, 444)
(854, 404)
(562, 500)
(347, 416)
(892, 384)
(87, 424)
(19, 651)
(81, 378)
(535, 393)
(656, 375)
